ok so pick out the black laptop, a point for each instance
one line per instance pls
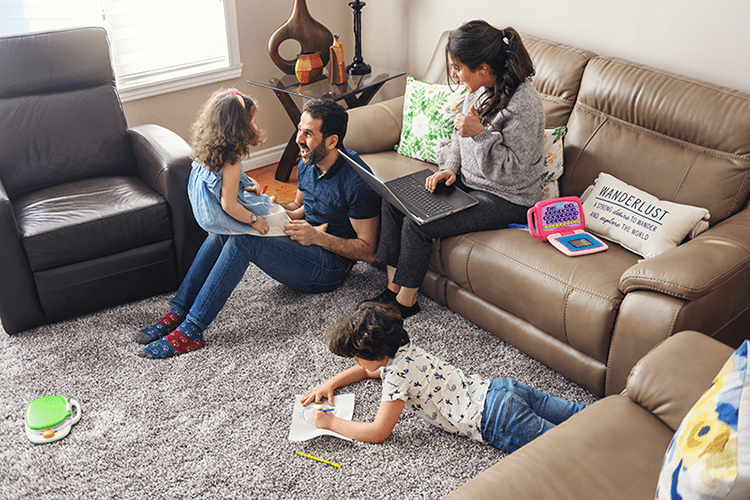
(408, 194)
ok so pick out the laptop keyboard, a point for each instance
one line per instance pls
(419, 196)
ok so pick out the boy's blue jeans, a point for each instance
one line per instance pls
(515, 413)
(222, 261)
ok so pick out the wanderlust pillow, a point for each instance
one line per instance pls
(552, 150)
(637, 220)
(429, 111)
(709, 456)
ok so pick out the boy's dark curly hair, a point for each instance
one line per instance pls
(223, 130)
(373, 332)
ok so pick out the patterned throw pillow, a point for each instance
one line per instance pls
(709, 456)
(637, 220)
(429, 110)
(553, 161)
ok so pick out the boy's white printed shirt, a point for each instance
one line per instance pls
(436, 390)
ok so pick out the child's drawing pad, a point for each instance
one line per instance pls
(277, 219)
(303, 425)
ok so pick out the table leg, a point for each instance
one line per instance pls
(288, 160)
(364, 98)
(291, 152)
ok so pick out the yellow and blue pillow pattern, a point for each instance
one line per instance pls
(709, 456)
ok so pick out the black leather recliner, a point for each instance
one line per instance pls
(92, 214)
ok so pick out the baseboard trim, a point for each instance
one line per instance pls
(262, 158)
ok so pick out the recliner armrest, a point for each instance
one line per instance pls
(673, 375)
(163, 161)
(19, 304)
(699, 266)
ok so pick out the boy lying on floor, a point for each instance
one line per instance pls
(501, 411)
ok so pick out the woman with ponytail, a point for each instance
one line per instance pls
(495, 154)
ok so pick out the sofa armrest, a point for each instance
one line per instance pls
(673, 375)
(375, 127)
(699, 266)
(163, 160)
(20, 308)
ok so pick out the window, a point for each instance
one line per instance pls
(158, 46)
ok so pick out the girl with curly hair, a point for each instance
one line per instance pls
(224, 199)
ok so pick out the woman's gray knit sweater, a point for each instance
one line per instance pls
(505, 159)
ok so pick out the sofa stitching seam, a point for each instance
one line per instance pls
(675, 76)
(664, 137)
(708, 287)
(611, 300)
(571, 168)
(393, 117)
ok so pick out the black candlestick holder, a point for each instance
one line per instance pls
(358, 66)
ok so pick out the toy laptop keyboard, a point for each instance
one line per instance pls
(560, 221)
(50, 418)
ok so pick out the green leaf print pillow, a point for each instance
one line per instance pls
(429, 110)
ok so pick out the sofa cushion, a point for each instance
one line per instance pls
(559, 69)
(687, 138)
(709, 455)
(88, 219)
(611, 450)
(427, 124)
(575, 299)
(637, 220)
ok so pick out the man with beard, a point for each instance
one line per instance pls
(334, 222)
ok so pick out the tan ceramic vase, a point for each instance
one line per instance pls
(337, 72)
(309, 67)
(311, 35)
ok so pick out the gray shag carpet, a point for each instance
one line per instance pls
(214, 423)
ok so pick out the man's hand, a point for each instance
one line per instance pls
(303, 233)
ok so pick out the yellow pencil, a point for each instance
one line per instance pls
(318, 459)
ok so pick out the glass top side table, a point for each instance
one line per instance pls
(357, 91)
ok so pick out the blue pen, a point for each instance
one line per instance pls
(327, 410)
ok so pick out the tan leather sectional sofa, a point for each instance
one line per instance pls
(593, 317)
(613, 449)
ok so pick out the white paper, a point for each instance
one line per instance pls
(303, 425)
(277, 219)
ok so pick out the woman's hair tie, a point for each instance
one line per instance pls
(505, 38)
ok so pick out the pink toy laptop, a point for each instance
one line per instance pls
(560, 221)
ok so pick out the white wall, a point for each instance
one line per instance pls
(697, 38)
(256, 20)
(691, 37)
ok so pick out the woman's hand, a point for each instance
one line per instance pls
(447, 175)
(468, 125)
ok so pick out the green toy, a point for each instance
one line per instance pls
(50, 418)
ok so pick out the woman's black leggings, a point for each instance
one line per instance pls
(407, 245)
